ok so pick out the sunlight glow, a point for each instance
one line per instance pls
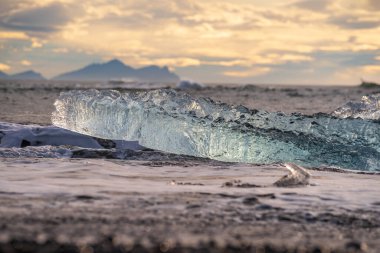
(244, 38)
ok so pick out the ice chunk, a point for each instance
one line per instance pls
(16, 135)
(297, 176)
(367, 108)
(175, 122)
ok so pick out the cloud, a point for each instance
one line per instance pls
(269, 41)
(36, 43)
(47, 18)
(314, 5)
(60, 50)
(346, 14)
(13, 35)
(355, 74)
(359, 59)
(137, 14)
(168, 9)
(229, 63)
(8, 5)
(248, 73)
(337, 6)
(345, 59)
(172, 62)
(25, 63)
(374, 4)
(371, 69)
(276, 58)
(353, 22)
(4, 67)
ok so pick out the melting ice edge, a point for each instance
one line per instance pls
(177, 123)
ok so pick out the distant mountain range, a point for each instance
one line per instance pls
(26, 75)
(3, 75)
(116, 69)
(112, 70)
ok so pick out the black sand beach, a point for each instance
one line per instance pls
(155, 202)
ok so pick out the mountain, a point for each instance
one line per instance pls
(26, 75)
(116, 69)
(152, 73)
(3, 75)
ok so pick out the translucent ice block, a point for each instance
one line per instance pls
(177, 123)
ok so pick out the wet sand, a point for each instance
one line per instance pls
(158, 203)
(149, 206)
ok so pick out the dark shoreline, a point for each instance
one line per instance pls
(107, 246)
(257, 228)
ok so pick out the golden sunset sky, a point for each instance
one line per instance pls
(257, 41)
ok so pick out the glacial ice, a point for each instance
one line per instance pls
(367, 108)
(297, 176)
(18, 136)
(177, 123)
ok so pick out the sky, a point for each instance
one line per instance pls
(242, 41)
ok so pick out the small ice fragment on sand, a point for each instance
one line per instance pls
(297, 176)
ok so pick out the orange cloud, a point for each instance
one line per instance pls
(36, 43)
(13, 35)
(4, 67)
(26, 63)
(248, 73)
(172, 62)
(371, 69)
(254, 34)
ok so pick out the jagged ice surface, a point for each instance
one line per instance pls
(177, 123)
(367, 108)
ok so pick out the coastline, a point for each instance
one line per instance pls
(165, 203)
